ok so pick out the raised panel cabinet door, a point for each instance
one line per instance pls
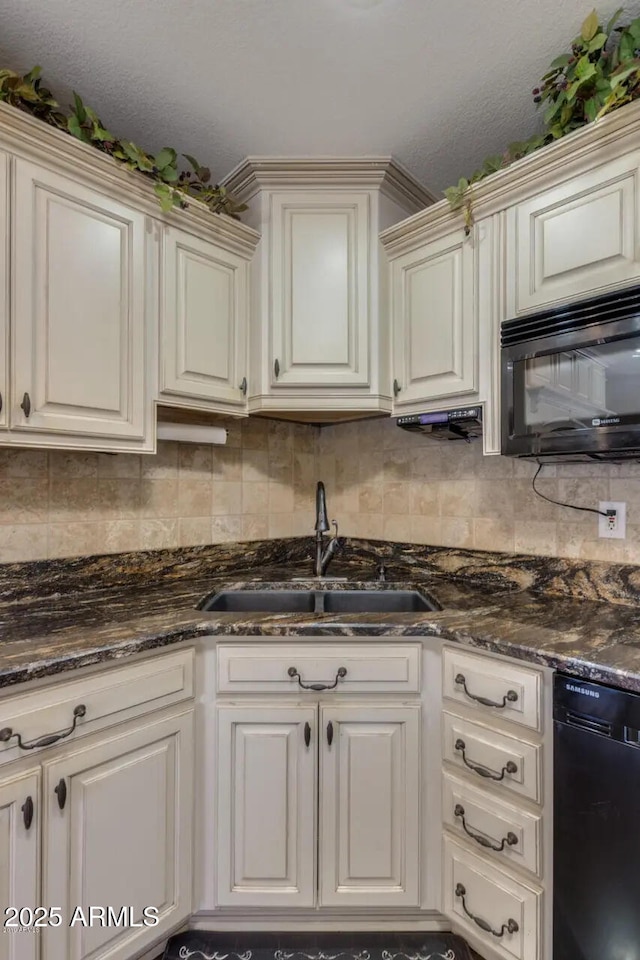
(266, 806)
(19, 831)
(4, 290)
(579, 237)
(369, 806)
(319, 314)
(78, 310)
(434, 321)
(204, 321)
(117, 836)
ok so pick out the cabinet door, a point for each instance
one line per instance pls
(369, 806)
(78, 311)
(434, 321)
(4, 289)
(122, 840)
(204, 322)
(319, 313)
(266, 805)
(577, 238)
(19, 862)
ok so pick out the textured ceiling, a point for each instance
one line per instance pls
(437, 83)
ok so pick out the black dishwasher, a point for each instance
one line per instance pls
(596, 883)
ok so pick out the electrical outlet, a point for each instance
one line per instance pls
(613, 526)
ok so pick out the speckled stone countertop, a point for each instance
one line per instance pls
(582, 618)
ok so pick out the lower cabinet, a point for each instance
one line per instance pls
(19, 886)
(362, 765)
(117, 834)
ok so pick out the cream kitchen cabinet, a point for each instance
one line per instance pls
(83, 268)
(205, 317)
(4, 290)
(364, 827)
(117, 833)
(580, 235)
(433, 313)
(19, 886)
(320, 328)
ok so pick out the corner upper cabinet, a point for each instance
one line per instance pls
(4, 289)
(205, 316)
(82, 269)
(578, 237)
(320, 330)
(433, 317)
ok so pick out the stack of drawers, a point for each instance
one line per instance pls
(492, 804)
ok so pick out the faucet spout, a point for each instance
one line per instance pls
(322, 521)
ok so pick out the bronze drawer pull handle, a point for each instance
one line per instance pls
(510, 839)
(510, 696)
(7, 733)
(340, 675)
(509, 767)
(307, 734)
(509, 927)
(27, 812)
(60, 791)
(25, 406)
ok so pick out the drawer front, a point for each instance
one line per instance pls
(110, 696)
(282, 668)
(489, 908)
(493, 687)
(491, 757)
(509, 835)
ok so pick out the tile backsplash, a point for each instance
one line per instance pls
(382, 483)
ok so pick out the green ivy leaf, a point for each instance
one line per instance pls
(590, 110)
(598, 42)
(165, 195)
(614, 19)
(590, 27)
(80, 111)
(165, 158)
(585, 69)
(559, 62)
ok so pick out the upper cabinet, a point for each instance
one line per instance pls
(205, 315)
(434, 321)
(79, 316)
(577, 237)
(320, 326)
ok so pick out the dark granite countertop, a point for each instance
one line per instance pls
(74, 614)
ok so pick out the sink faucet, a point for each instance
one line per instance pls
(323, 557)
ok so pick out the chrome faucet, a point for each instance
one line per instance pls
(323, 557)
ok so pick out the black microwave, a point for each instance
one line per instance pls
(571, 380)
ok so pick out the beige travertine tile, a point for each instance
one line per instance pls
(496, 534)
(23, 541)
(370, 498)
(226, 498)
(194, 498)
(121, 466)
(75, 539)
(255, 465)
(195, 461)
(528, 505)
(63, 463)
(586, 492)
(347, 469)
(326, 470)
(304, 470)
(457, 498)
(227, 464)
(493, 499)
(121, 535)
(255, 498)
(226, 529)
(396, 498)
(456, 532)
(398, 465)
(159, 498)
(280, 498)
(159, 534)
(194, 531)
(118, 498)
(23, 463)
(397, 527)
(428, 529)
(163, 464)
(535, 536)
(281, 525)
(255, 526)
(424, 498)
(74, 500)
(24, 501)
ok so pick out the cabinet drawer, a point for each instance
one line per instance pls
(372, 668)
(492, 757)
(109, 696)
(493, 686)
(490, 908)
(507, 834)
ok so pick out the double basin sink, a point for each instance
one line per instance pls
(265, 600)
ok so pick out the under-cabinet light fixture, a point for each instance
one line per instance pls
(191, 433)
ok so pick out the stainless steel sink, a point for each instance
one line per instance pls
(320, 601)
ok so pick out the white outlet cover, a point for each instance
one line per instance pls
(620, 532)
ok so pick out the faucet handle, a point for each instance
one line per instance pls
(334, 523)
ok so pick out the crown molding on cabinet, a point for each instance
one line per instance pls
(385, 174)
(591, 146)
(37, 141)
